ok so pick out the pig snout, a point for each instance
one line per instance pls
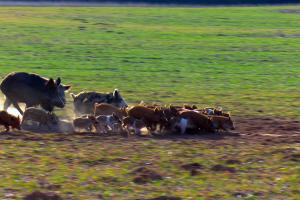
(60, 102)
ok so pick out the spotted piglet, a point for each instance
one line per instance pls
(106, 123)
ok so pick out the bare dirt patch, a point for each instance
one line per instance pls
(145, 175)
(193, 168)
(233, 162)
(166, 198)
(222, 168)
(163, 160)
(261, 130)
(42, 196)
(293, 157)
(269, 130)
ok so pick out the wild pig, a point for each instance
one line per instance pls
(33, 90)
(130, 123)
(8, 120)
(40, 116)
(85, 122)
(104, 123)
(199, 120)
(222, 123)
(84, 102)
(151, 117)
(109, 109)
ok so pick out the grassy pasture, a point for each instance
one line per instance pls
(85, 167)
(245, 59)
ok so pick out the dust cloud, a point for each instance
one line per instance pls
(64, 125)
(11, 110)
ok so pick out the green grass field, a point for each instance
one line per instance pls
(245, 59)
(84, 167)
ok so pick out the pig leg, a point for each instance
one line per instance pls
(173, 127)
(7, 103)
(16, 105)
(106, 129)
(97, 127)
(7, 128)
(117, 127)
(183, 125)
(128, 129)
(114, 128)
(90, 128)
(24, 119)
(137, 131)
(101, 129)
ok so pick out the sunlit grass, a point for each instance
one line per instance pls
(84, 167)
(244, 59)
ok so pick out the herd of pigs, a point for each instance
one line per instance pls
(102, 113)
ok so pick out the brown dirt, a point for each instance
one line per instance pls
(251, 130)
(42, 196)
(193, 168)
(233, 162)
(222, 168)
(262, 130)
(166, 198)
(145, 175)
(268, 130)
(293, 157)
(46, 185)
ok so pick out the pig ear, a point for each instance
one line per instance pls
(73, 95)
(58, 81)
(85, 100)
(50, 83)
(67, 87)
(116, 94)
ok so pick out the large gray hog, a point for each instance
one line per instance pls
(84, 102)
(33, 90)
